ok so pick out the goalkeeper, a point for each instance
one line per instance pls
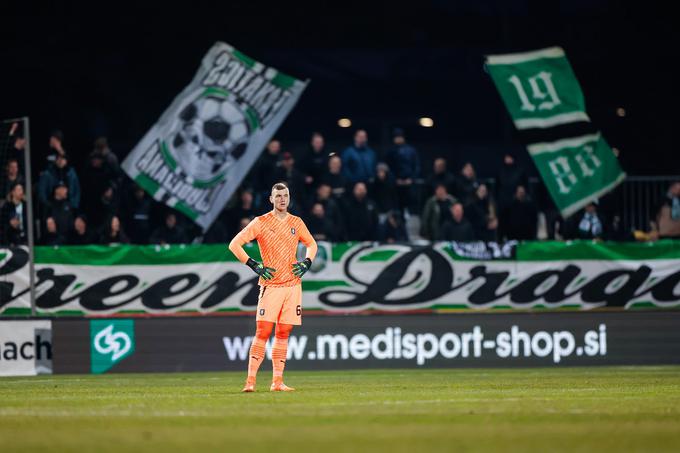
(280, 300)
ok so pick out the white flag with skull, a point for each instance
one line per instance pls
(204, 144)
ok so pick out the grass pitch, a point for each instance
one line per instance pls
(567, 409)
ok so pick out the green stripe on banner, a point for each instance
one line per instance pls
(252, 118)
(168, 157)
(338, 250)
(245, 59)
(186, 210)
(316, 285)
(283, 81)
(379, 255)
(215, 91)
(147, 183)
(589, 250)
(152, 255)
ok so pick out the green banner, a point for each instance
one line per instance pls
(577, 171)
(538, 88)
(347, 277)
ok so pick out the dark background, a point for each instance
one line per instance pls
(105, 70)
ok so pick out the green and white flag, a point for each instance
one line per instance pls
(538, 88)
(577, 170)
(204, 144)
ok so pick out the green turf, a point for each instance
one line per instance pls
(566, 409)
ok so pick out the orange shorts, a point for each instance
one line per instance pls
(280, 304)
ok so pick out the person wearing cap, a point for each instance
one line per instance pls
(404, 162)
(56, 171)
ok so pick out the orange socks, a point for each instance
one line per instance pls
(279, 352)
(257, 350)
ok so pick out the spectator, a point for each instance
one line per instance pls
(266, 173)
(589, 223)
(169, 232)
(104, 208)
(97, 177)
(245, 208)
(101, 148)
(404, 161)
(17, 150)
(217, 233)
(60, 212)
(509, 177)
(457, 227)
(56, 147)
(393, 228)
(334, 177)
(319, 225)
(11, 178)
(383, 189)
(332, 210)
(668, 214)
(440, 175)
(137, 215)
(59, 170)
(112, 233)
(435, 213)
(361, 219)
(294, 179)
(481, 212)
(52, 236)
(358, 160)
(315, 161)
(466, 184)
(521, 217)
(14, 218)
(81, 234)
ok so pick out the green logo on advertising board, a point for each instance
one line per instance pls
(110, 342)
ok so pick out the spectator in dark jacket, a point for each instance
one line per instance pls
(358, 160)
(319, 225)
(521, 217)
(335, 178)
(481, 212)
(112, 233)
(509, 177)
(59, 170)
(589, 224)
(268, 164)
(457, 227)
(81, 234)
(404, 162)
(332, 210)
(315, 161)
(393, 228)
(52, 236)
(466, 183)
(60, 211)
(435, 213)
(382, 189)
(170, 232)
(440, 175)
(137, 213)
(361, 218)
(11, 178)
(14, 218)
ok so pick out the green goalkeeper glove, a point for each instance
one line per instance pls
(301, 267)
(260, 269)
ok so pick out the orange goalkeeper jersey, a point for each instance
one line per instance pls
(278, 240)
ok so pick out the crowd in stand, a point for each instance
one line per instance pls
(356, 194)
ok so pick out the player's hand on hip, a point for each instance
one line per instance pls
(301, 267)
(260, 269)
